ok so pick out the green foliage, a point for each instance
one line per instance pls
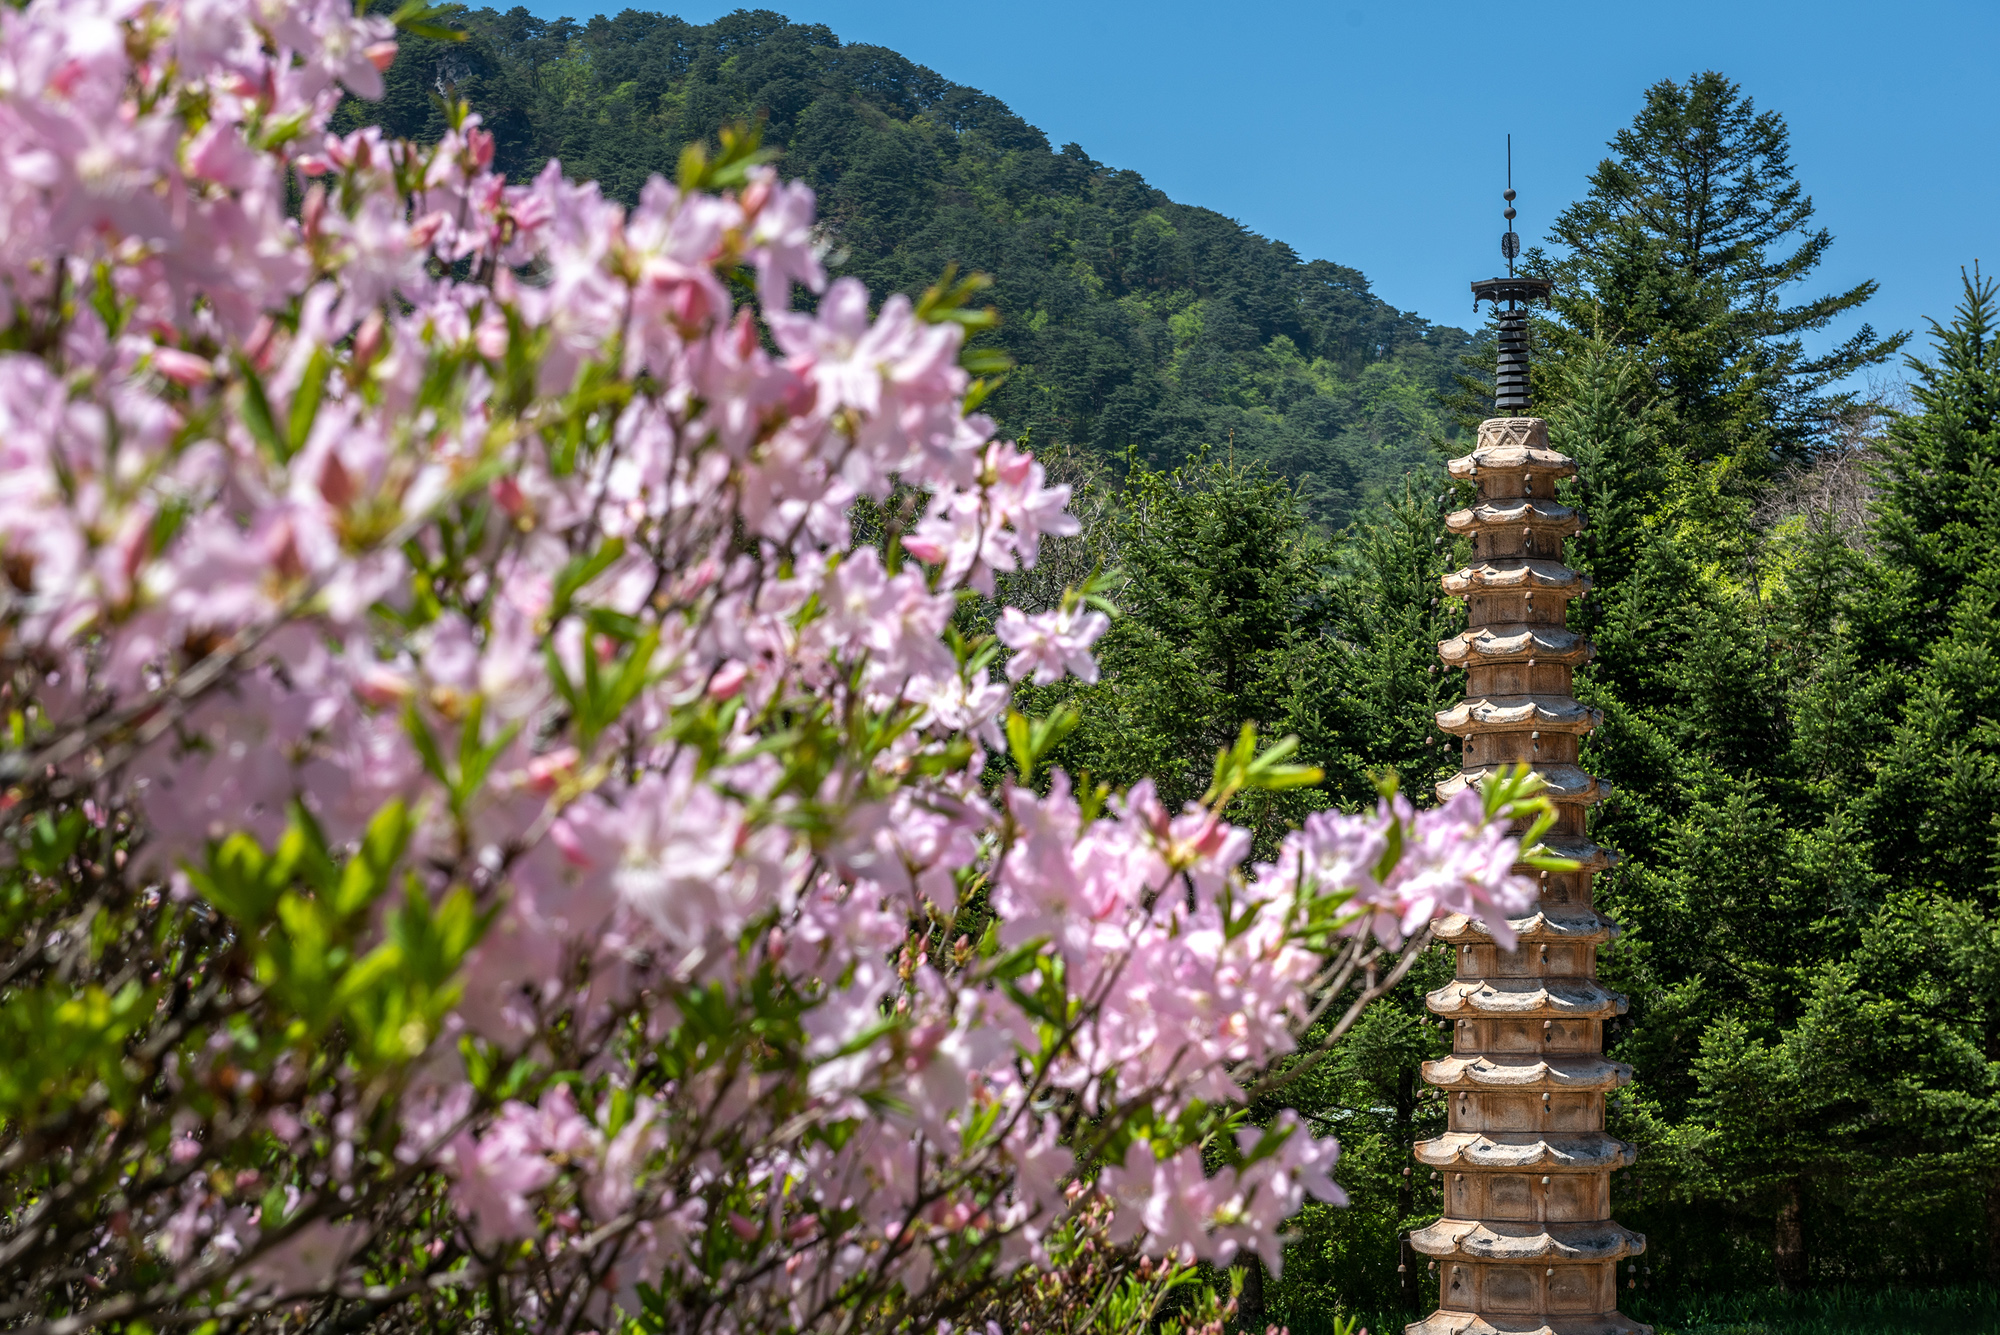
(1798, 660)
(1972, 1310)
(1235, 609)
(1130, 321)
(291, 964)
(1678, 254)
(1799, 688)
(1352, 1259)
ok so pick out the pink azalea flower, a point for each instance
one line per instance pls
(1049, 644)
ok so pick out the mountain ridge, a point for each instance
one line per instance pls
(1136, 323)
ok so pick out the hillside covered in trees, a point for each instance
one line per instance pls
(1135, 322)
(1796, 602)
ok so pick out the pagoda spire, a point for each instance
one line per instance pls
(1527, 1245)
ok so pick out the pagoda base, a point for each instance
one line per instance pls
(1443, 1322)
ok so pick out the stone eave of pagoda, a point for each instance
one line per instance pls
(1527, 1245)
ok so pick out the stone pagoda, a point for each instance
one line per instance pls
(1527, 1245)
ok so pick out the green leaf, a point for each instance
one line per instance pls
(1024, 958)
(368, 873)
(364, 974)
(52, 841)
(306, 401)
(1392, 851)
(235, 881)
(741, 148)
(104, 299)
(421, 18)
(254, 408)
(1029, 740)
(981, 389)
(579, 571)
(57, 1044)
(1243, 767)
(433, 31)
(945, 302)
(985, 361)
(1270, 772)
(427, 748)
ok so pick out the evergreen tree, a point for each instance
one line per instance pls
(1940, 479)
(1810, 765)
(1899, 1052)
(1684, 250)
(1225, 596)
(1674, 372)
(1373, 704)
(1236, 608)
(1930, 622)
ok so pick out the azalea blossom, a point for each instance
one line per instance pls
(1051, 645)
(433, 599)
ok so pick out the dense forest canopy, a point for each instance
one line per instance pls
(1135, 322)
(1796, 603)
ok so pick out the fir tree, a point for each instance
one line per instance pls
(1929, 623)
(1685, 248)
(1940, 476)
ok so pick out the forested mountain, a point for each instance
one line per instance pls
(1135, 322)
(1796, 602)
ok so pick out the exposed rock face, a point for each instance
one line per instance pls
(1527, 1243)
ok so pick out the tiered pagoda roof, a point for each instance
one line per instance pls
(1527, 1245)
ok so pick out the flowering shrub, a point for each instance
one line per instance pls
(485, 842)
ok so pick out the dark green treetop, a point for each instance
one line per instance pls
(1927, 623)
(1939, 505)
(1687, 245)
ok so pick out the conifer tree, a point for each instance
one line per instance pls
(1899, 1056)
(1224, 597)
(1237, 608)
(1685, 250)
(1810, 898)
(1930, 624)
(1940, 475)
(1673, 369)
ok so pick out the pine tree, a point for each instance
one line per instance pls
(1940, 476)
(1844, 1041)
(1237, 608)
(1684, 250)
(1929, 625)
(1373, 701)
(1225, 597)
(1674, 374)
(1900, 1049)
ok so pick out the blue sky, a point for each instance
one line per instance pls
(1372, 134)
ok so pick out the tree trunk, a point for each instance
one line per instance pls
(1406, 1194)
(1993, 1228)
(1250, 1305)
(1791, 1237)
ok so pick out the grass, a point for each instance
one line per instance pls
(1967, 1311)
(1964, 1311)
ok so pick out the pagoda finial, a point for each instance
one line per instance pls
(1510, 297)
